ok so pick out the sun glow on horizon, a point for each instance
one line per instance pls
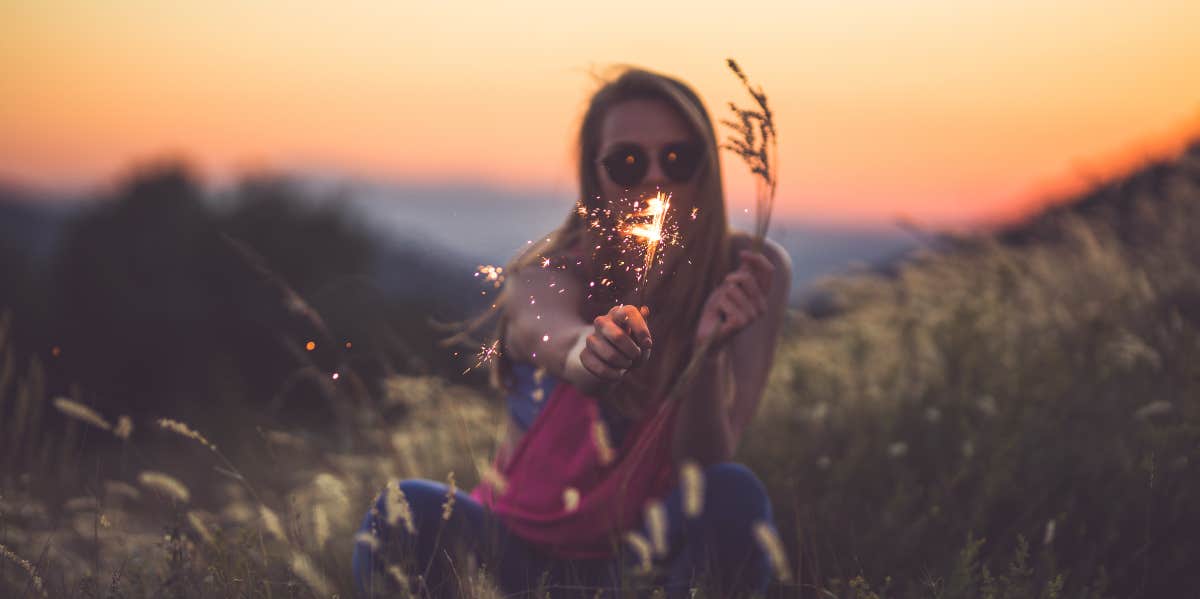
(935, 110)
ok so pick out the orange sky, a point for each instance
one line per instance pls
(940, 111)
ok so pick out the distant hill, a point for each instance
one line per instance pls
(31, 221)
(1117, 201)
(1012, 414)
(1125, 203)
(433, 236)
(487, 225)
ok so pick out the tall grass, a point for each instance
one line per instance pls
(1014, 417)
(1038, 385)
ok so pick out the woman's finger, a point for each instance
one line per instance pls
(761, 267)
(741, 299)
(744, 316)
(606, 352)
(749, 286)
(606, 328)
(599, 369)
(631, 319)
(734, 320)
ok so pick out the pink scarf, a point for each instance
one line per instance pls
(558, 452)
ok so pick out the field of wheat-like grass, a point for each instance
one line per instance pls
(1015, 414)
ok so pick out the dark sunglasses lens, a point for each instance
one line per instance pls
(626, 165)
(679, 161)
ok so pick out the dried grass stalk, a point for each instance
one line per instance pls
(165, 484)
(656, 522)
(692, 481)
(755, 143)
(770, 543)
(272, 523)
(78, 411)
(303, 566)
(398, 508)
(451, 491)
(184, 430)
(27, 567)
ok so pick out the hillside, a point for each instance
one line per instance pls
(1039, 383)
(1016, 415)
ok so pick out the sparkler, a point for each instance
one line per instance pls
(642, 232)
(649, 233)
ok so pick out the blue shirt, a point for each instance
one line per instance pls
(531, 388)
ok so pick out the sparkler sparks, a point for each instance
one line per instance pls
(485, 355)
(656, 211)
(491, 274)
(642, 232)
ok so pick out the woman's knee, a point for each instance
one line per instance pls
(722, 537)
(733, 492)
(392, 528)
(407, 505)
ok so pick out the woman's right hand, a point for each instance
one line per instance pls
(738, 301)
(620, 340)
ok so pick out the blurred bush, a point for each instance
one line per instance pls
(1041, 383)
(165, 298)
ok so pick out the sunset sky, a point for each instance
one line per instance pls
(939, 111)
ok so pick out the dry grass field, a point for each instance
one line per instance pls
(1012, 414)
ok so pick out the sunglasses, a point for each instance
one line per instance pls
(628, 163)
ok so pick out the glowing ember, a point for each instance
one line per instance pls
(492, 274)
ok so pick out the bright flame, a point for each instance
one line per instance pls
(651, 233)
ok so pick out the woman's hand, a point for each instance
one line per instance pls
(619, 340)
(739, 300)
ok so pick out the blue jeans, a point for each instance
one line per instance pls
(715, 550)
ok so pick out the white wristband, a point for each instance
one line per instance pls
(573, 369)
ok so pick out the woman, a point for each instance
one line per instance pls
(588, 495)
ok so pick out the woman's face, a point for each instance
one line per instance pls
(653, 126)
(650, 131)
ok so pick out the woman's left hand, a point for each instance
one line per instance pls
(739, 300)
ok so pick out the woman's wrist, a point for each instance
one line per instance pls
(573, 369)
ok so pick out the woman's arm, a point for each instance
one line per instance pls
(726, 392)
(702, 426)
(753, 349)
(542, 317)
(544, 328)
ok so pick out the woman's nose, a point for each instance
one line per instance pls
(654, 174)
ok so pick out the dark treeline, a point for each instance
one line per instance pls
(163, 298)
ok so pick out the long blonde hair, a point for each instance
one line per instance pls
(675, 297)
